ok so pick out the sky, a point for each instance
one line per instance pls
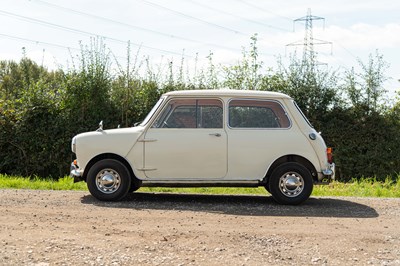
(51, 31)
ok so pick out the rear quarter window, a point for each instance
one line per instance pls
(257, 114)
(302, 114)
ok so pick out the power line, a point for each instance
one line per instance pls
(132, 26)
(110, 20)
(37, 42)
(347, 50)
(192, 17)
(263, 9)
(53, 25)
(64, 28)
(45, 43)
(236, 16)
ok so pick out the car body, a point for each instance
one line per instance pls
(208, 138)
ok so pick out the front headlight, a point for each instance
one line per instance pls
(73, 145)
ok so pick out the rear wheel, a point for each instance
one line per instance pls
(108, 180)
(267, 188)
(291, 183)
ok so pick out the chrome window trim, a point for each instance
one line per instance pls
(188, 98)
(257, 128)
(153, 112)
(302, 114)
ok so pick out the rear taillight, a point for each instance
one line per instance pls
(329, 155)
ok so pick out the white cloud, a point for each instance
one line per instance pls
(364, 36)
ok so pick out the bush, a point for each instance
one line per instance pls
(41, 110)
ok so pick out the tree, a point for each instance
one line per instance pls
(314, 89)
(365, 89)
(245, 75)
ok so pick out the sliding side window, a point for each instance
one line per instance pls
(191, 113)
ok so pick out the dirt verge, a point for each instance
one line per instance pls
(72, 228)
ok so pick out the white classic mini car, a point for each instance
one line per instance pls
(208, 138)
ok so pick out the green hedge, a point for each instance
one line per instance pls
(41, 110)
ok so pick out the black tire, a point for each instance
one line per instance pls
(266, 186)
(291, 183)
(108, 180)
(135, 185)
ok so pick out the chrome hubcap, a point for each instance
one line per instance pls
(291, 184)
(108, 181)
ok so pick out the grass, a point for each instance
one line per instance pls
(365, 187)
(17, 182)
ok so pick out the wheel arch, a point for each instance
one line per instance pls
(110, 156)
(291, 158)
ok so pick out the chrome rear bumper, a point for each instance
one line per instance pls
(329, 172)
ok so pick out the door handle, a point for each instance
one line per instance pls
(215, 134)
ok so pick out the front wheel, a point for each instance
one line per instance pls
(291, 183)
(108, 180)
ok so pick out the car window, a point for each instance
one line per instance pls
(302, 114)
(191, 113)
(257, 114)
(153, 110)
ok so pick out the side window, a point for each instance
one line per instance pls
(191, 113)
(257, 114)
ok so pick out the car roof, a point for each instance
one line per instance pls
(228, 93)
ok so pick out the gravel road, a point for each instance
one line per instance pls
(72, 228)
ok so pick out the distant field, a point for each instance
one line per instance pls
(366, 187)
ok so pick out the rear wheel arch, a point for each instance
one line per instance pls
(294, 159)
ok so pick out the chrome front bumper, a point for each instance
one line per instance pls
(76, 173)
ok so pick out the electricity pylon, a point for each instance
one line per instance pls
(309, 55)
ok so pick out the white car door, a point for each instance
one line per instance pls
(187, 141)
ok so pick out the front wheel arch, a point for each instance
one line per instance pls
(108, 180)
(135, 183)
